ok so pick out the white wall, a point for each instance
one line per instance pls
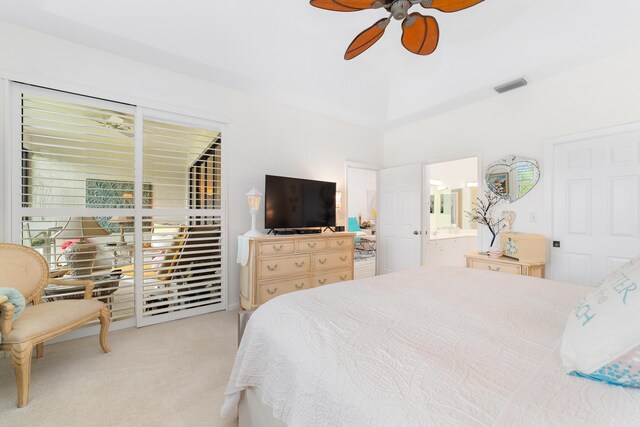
(264, 137)
(599, 95)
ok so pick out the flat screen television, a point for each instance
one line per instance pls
(299, 203)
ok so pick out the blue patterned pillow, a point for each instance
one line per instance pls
(602, 337)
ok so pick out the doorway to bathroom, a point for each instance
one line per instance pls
(450, 190)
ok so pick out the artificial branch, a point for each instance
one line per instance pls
(481, 214)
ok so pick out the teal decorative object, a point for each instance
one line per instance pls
(16, 299)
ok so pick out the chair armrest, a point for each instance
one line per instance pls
(88, 284)
(6, 317)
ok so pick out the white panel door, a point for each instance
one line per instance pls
(399, 236)
(596, 206)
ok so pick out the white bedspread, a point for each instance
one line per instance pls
(425, 347)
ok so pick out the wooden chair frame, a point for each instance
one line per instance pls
(21, 352)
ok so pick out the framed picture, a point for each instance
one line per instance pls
(111, 194)
(499, 183)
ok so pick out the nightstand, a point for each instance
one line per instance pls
(505, 265)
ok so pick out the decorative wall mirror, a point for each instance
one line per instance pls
(512, 177)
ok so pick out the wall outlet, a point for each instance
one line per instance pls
(533, 217)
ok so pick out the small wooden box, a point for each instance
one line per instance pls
(524, 247)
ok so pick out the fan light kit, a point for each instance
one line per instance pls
(420, 33)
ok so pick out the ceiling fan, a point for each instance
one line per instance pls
(420, 33)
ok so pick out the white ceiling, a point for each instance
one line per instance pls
(290, 51)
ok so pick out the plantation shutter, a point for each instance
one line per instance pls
(76, 175)
(122, 195)
(183, 239)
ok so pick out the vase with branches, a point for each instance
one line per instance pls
(482, 214)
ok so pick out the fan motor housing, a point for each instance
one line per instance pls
(400, 9)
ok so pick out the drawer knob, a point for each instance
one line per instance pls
(270, 268)
(343, 258)
(299, 264)
(322, 281)
(340, 242)
(300, 286)
(322, 261)
(271, 292)
(343, 277)
(277, 248)
(493, 269)
(311, 245)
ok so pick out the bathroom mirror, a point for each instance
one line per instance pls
(513, 177)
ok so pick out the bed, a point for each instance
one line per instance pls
(439, 346)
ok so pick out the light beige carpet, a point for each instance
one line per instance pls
(172, 374)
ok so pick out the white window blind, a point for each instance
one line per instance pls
(127, 197)
(182, 228)
(76, 176)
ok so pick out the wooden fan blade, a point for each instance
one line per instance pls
(366, 39)
(420, 34)
(449, 5)
(344, 5)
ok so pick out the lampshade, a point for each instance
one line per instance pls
(79, 227)
(254, 197)
(338, 199)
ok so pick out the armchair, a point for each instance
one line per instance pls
(26, 270)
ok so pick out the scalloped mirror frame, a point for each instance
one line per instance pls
(512, 177)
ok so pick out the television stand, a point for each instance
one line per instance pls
(281, 232)
(298, 231)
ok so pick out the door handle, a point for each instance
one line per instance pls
(416, 232)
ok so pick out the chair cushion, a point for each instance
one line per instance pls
(41, 319)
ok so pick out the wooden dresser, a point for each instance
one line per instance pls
(281, 264)
(505, 265)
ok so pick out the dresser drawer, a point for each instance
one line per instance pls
(274, 248)
(328, 261)
(341, 243)
(283, 266)
(496, 266)
(311, 245)
(333, 277)
(273, 288)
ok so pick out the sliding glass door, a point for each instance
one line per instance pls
(126, 196)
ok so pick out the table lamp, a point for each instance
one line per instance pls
(254, 197)
(81, 256)
(121, 221)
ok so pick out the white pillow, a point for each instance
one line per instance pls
(602, 337)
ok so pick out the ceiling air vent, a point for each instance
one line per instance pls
(510, 86)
